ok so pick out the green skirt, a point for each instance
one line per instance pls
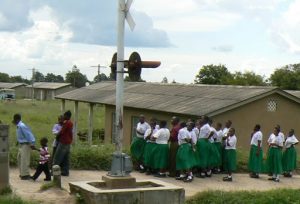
(202, 157)
(219, 147)
(148, 154)
(289, 159)
(229, 163)
(255, 163)
(185, 157)
(137, 148)
(274, 161)
(160, 156)
(214, 156)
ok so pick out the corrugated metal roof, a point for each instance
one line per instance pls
(5, 85)
(294, 93)
(48, 85)
(173, 98)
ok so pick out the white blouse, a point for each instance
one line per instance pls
(231, 140)
(257, 136)
(182, 135)
(142, 129)
(162, 136)
(204, 131)
(219, 136)
(275, 139)
(290, 141)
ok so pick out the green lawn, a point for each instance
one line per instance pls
(42, 115)
(278, 196)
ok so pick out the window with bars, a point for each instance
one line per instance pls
(271, 105)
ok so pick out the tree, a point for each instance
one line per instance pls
(4, 77)
(76, 78)
(247, 79)
(101, 77)
(287, 77)
(213, 74)
(39, 77)
(164, 80)
(50, 77)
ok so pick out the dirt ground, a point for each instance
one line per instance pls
(30, 190)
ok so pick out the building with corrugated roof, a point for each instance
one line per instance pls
(47, 90)
(18, 87)
(245, 106)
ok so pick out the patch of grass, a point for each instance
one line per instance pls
(282, 196)
(13, 199)
(47, 186)
(5, 191)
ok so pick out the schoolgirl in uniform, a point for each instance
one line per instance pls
(218, 143)
(289, 159)
(138, 144)
(185, 158)
(203, 148)
(274, 158)
(230, 154)
(214, 155)
(161, 149)
(150, 145)
(256, 153)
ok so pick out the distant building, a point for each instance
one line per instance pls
(47, 90)
(18, 87)
(245, 106)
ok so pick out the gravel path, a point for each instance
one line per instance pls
(30, 190)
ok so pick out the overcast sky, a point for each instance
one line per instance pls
(245, 35)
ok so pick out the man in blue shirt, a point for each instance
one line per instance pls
(26, 141)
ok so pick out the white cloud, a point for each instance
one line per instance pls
(286, 30)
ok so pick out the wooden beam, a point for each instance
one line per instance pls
(90, 125)
(63, 106)
(75, 122)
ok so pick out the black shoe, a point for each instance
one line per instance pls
(142, 171)
(271, 179)
(180, 177)
(47, 179)
(188, 179)
(276, 180)
(227, 178)
(64, 174)
(208, 175)
(26, 177)
(160, 175)
(287, 175)
(254, 176)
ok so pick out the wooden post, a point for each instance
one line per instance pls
(63, 106)
(90, 133)
(4, 157)
(75, 122)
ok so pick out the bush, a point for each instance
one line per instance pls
(12, 199)
(91, 157)
(247, 197)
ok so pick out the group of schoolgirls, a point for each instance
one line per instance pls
(278, 161)
(150, 149)
(202, 148)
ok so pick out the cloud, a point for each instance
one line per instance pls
(95, 22)
(223, 48)
(285, 30)
(91, 21)
(14, 15)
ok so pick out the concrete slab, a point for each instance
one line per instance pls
(149, 191)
